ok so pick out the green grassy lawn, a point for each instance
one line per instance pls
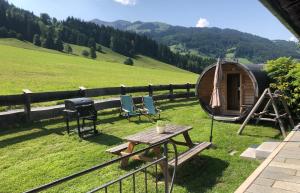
(24, 65)
(39, 153)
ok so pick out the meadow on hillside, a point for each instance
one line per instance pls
(25, 66)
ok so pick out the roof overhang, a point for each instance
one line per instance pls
(288, 13)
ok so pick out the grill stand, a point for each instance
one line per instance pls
(81, 129)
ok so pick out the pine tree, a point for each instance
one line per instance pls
(48, 42)
(36, 40)
(99, 48)
(2, 15)
(92, 43)
(68, 49)
(59, 44)
(20, 37)
(45, 18)
(93, 53)
(3, 32)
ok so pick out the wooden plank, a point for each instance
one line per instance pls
(150, 136)
(41, 113)
(160, 97)
(136, 89)
(287, 110)
(268, 119)
(7, 100)
(160, 87)
(107, 104)
(118, 149)
(179, 86)
(12, 117)
(256, 106)
(187, 155)
(54, 96)
(103, 91)
(281, 124)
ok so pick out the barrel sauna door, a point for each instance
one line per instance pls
(233, 92)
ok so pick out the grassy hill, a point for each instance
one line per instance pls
(24, 65)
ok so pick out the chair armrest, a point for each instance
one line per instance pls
(125, 110)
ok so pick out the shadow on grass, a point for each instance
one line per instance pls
(42, 130)
(104, 139)
(201, 173)
(177, 103)
(262, 124)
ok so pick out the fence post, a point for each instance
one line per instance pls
(123, 89)
(82, 91)
(27, 104)
(171, 94)
(188, 88)
(150, 90)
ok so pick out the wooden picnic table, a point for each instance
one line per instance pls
(151, 137)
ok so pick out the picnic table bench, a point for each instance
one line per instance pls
(151, 137)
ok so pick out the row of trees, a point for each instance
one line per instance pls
(52, 34)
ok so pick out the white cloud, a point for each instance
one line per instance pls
(202, 22)
(126, 2)
(294, 39)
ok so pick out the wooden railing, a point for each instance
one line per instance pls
(28, 99)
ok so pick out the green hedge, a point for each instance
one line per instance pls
(285, 76)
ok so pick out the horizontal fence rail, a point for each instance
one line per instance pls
(28, 98)
(163, 160)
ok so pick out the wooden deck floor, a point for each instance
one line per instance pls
(280, 172)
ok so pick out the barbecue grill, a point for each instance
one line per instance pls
(81, 109)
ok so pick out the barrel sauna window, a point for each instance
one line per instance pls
(238, 89)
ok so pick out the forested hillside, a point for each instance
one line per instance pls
(210, 42)
(50, 33)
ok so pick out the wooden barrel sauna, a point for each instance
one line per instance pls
(241, 86)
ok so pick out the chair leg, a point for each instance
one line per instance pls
(67, 122)
(78, 127)
(120, 115)
(83, 124)
(94, 123)
(128, 117)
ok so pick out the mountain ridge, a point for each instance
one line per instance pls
(211, 41)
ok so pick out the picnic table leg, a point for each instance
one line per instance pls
(188, 139)
(158, 154)
(129, 150)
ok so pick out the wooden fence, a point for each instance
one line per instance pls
(29, 114)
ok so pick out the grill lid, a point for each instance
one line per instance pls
(78, 102)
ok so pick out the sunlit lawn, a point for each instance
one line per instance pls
(33, 155)
(25, 66)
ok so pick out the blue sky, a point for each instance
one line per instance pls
(244, 15)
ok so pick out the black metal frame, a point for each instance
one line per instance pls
(81, 109)
(162, 160)
(81, 127)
